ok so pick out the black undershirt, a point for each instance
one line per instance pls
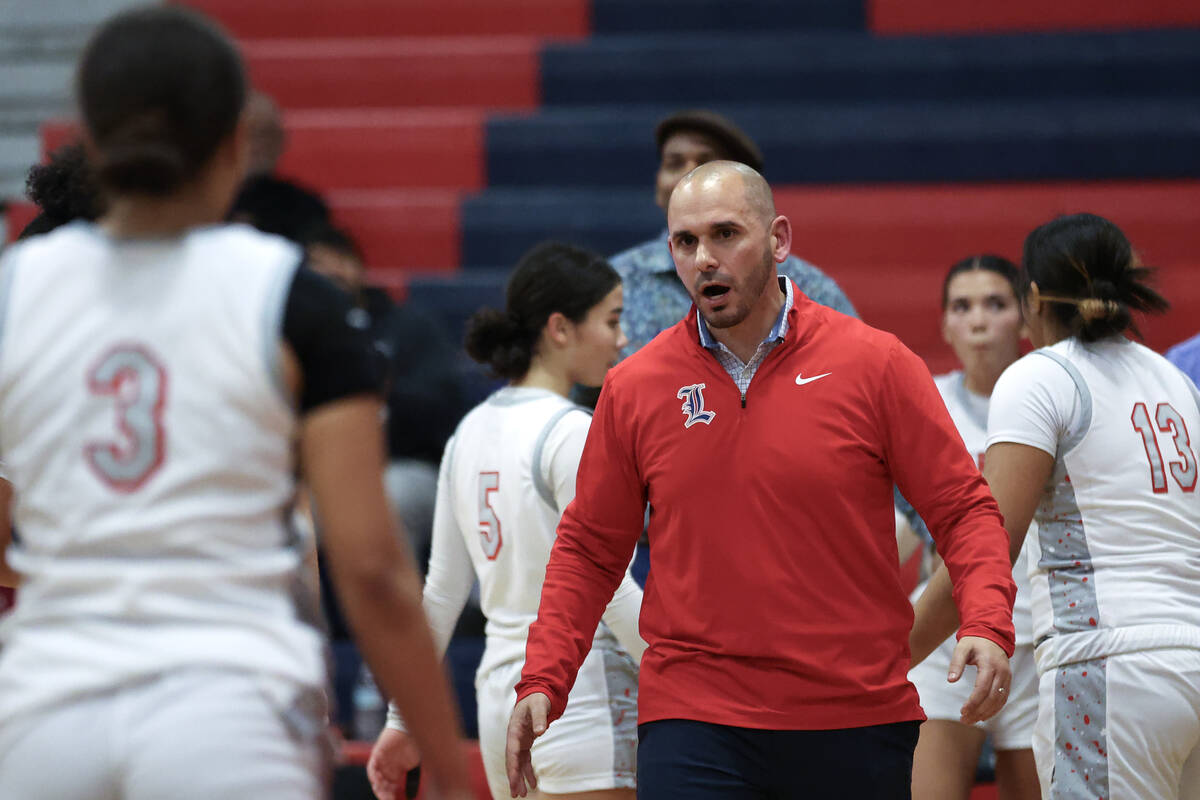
(330, 340)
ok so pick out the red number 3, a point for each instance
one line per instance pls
(1171, 422)
(489, 523)
(137, 382)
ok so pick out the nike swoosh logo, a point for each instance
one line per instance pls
(801, 380)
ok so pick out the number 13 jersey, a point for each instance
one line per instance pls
(145, 425)
(1118, 558)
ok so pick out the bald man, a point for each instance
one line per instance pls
(765, 432)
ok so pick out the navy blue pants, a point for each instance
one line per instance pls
(686, 760)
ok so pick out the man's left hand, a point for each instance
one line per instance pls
(991, 681)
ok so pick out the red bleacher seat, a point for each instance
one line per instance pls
(385, 149)
(973, 16)
(889, 246)
(321, 18)
(493, 72)
(18, 214)
(416, 229)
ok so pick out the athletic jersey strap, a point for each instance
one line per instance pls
(540, 480)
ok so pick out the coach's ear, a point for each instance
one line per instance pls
(781, 238)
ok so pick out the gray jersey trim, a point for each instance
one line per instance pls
(514, 396)
(1085, 399)
(8, 269)
(1081, 745)
(964, 400)
(544, 490)
(620, 682)
(274, 308)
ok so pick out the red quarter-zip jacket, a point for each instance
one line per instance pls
(774, 599)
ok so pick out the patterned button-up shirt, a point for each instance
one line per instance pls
(655, 299)
(741, 373)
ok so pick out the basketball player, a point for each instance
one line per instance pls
(981, 321)
(507, 474)
(1090, 436)
(159, 372)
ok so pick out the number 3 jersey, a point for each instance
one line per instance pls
(1117, 564)
(148, 436)
(506, 477)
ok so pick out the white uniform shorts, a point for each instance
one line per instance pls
(1125, 727)
(1012, 728)
(195, 735)
(592, 746)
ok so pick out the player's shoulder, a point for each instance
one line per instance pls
(948, 382)
(64, 241)
(244, 245)
(1047, 368)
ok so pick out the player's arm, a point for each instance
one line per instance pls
(447, 586)
(1017, 475)
(7, 576)
(1024, 427)
(333, 376)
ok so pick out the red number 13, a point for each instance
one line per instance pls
(1171, 422)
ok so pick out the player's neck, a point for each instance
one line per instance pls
(980, 378)
(137, 216)
(540, 376)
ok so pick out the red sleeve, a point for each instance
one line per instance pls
(938, 476)
(596, 537)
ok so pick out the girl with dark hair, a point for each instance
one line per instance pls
(506, 476)
(162, 373)
(981, 321)
(1089, 436)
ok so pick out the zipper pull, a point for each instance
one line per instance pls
(743, 399)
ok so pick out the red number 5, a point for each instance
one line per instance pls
(489, 524)
(1171, 422)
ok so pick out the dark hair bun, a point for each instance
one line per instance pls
(1085, 266)
(160, 88)
(550, 278)
(494, 338)
(142, 158)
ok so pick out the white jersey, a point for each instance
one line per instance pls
(146, 430)
(970, 414)
(506, 477)
(1117, 567)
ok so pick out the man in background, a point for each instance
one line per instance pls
(268, 201)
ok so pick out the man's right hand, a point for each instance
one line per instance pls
(528, 721)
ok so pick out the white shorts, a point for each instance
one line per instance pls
(1125, 727)
(1012, 728)
(194, 735)
(592, 746)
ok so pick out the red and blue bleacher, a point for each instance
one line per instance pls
(900, 135)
